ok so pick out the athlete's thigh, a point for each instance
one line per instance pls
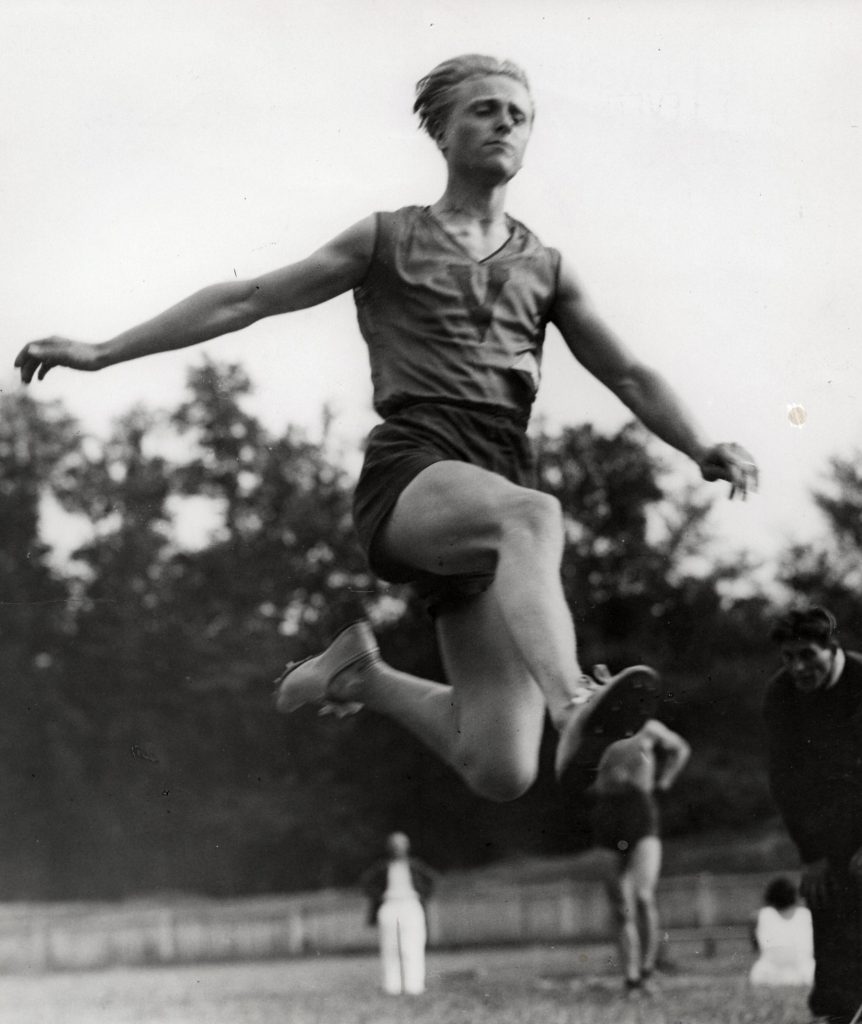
(447, 519)
(497, 699)
(644, 865)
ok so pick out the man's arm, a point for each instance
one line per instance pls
(643, 390)
(336, 267)
(675, 749)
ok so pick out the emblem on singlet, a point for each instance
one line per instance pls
(481, 310)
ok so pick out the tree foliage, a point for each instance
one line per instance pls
(831, 574)
(140, 749)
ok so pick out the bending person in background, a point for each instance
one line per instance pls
(783, 938)
(453, 300)
(398, 889)
(625, 820)
(813, 716)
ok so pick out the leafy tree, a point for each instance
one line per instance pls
(831, 574)
(174, 650)
(168, 768)
(38, 727)
(627, 563)
(283, 566)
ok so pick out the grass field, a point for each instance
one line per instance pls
(536, 985)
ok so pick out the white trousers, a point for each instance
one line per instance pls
(401, 927)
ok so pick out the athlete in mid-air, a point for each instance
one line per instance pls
(453, 300)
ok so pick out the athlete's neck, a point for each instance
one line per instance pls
(481, 206)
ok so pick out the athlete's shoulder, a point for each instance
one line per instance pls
(402, 213)
(394, 224)
(528, 243)
(388, 229)
(523, 230)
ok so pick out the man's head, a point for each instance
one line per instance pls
(808, 641)
(397, 845)
(478, 110)
(435, 93)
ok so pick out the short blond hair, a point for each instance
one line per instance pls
(435, 91)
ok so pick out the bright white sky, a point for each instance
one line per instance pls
(698, 161)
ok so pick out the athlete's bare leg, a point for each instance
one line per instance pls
(644, 867)
(454, 518)
(488, 723)
(496, 647)
(620, 888)
(631, 883)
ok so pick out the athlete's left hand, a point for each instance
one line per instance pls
(733, 463)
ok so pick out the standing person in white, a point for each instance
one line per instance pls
(398, 888)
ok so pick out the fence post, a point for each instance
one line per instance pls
(705, 909)
(704, 902)
(295, 931)
(568, 913)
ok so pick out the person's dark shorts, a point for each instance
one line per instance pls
(620, 820)
(405, 444)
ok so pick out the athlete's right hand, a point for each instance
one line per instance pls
(38, 357)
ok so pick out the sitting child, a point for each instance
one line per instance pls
(783, 938)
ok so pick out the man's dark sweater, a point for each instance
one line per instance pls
(815, 762)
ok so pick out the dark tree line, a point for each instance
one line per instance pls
(139, 749)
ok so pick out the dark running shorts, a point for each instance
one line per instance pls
(409, 441)
(620, 819)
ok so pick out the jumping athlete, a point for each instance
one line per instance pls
(626, 821)
(453, 300)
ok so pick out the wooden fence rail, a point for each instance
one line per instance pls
(46, 937)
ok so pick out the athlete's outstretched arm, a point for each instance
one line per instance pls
(643, 390)
(218, 309)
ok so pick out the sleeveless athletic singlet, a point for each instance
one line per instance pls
(443, 326)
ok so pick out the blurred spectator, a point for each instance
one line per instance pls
(783, 937)
(625, 820)
(398, 888)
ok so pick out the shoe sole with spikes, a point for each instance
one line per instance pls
(617, 710)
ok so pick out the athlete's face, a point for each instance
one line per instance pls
(488, 127)
(808, 663)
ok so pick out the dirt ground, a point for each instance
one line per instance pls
(536, 985)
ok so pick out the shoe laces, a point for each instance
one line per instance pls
(584, 691)
(339, 709)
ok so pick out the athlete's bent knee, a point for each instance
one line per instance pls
(538, 515)
(500, 782)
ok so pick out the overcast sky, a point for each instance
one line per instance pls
(697, 161)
